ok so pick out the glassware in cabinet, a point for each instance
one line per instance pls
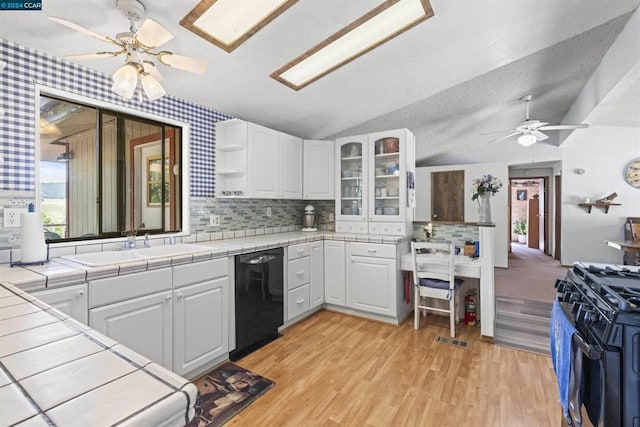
(387, 166)
(352, 201)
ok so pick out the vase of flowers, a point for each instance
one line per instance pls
(483, 189)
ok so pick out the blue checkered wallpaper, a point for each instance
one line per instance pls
(26, 67)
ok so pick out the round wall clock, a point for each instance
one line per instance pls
(632, 174)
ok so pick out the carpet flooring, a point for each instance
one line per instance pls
(530, 276)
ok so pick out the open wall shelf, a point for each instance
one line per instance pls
(605, 206)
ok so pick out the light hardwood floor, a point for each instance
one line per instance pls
(337, 370)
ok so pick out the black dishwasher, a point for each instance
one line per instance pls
(259, 300)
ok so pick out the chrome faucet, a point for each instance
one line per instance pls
(146, 240)
(131, 237)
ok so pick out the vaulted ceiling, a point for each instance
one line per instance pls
(455, 79)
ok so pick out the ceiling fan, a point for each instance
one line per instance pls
(143, 38)
(530, 130)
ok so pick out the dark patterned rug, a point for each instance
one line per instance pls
(225, 391)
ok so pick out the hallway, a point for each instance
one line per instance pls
(530, 276)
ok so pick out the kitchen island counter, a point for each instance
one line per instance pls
(57, 371)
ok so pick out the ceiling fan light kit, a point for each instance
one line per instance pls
(527, 139)
(139, 40)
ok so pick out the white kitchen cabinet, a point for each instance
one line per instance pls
(144, 324)
(375, 177)
(298, 277)
(201, 324)
(318, 170)
(70, 300)
(289, 167)
(253, 161)
(373, 278)
(200, 314)
(334, 273)
(316, 279)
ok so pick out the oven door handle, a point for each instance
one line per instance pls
(590, 351)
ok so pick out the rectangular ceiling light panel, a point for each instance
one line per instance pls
(228, 23)
(379, 25)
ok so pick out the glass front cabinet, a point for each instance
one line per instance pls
(375, 176)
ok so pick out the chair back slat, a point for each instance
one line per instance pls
(438, 263)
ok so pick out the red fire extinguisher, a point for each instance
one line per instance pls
(470, 308)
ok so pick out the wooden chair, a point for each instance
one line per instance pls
(433, 277)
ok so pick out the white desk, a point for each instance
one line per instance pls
(480, 268)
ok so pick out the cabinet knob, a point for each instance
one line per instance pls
(168, 297)
(300, 251)
(372, 250)
(180, 296)
(300, 301)
(300, 273)
(435, 215)
(80, 293)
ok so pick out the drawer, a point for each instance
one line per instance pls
(388, 228)
(120, 288)
(375, 250)
(356, 227)
(297, 272)
(298, 251)
(298, 302)
(188, 274)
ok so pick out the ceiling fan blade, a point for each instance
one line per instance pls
(186, 63)
(151, 68)
(505, 137)
(537, 125)
(152, 34)
(97, 55)
(539, 135)
(81, 29)
(565, 127)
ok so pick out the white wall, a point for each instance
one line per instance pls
(499, 203)
(604, 152)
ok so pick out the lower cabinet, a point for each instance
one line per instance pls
(334, 273)
(183, 327)
(71, 300)
(372, 285)
(317, 273)
(143, 324)
(200, 317)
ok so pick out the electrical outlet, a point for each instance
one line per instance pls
(214, 220)
(269, 212)
(332, 217)
(12, 217)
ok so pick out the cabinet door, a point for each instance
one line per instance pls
(143, 324)
(447, 196)
(317, 274)
(318, 170)
(71, 300)
(201, 313)
(372, 283)
(334, 272)
(263, 162)
(388, 175)
(351, 183)
(290, 167)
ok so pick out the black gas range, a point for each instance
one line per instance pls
(603, 301)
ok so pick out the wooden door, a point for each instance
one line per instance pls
(557, 210)
(447, 196)
(533, 224)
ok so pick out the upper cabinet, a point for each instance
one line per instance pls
(318, 170)
(375, 183)
(253, 161)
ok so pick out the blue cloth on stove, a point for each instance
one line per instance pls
(440, 284)
(561, 336)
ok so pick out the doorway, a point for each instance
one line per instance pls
(529, 211)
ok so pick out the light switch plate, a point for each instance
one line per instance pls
(12, 217)
(214, 220)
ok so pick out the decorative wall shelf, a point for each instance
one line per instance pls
(600, 205)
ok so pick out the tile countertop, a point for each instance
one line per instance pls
(63, 272)
(56, 371)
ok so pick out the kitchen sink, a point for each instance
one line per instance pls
(94, 259)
